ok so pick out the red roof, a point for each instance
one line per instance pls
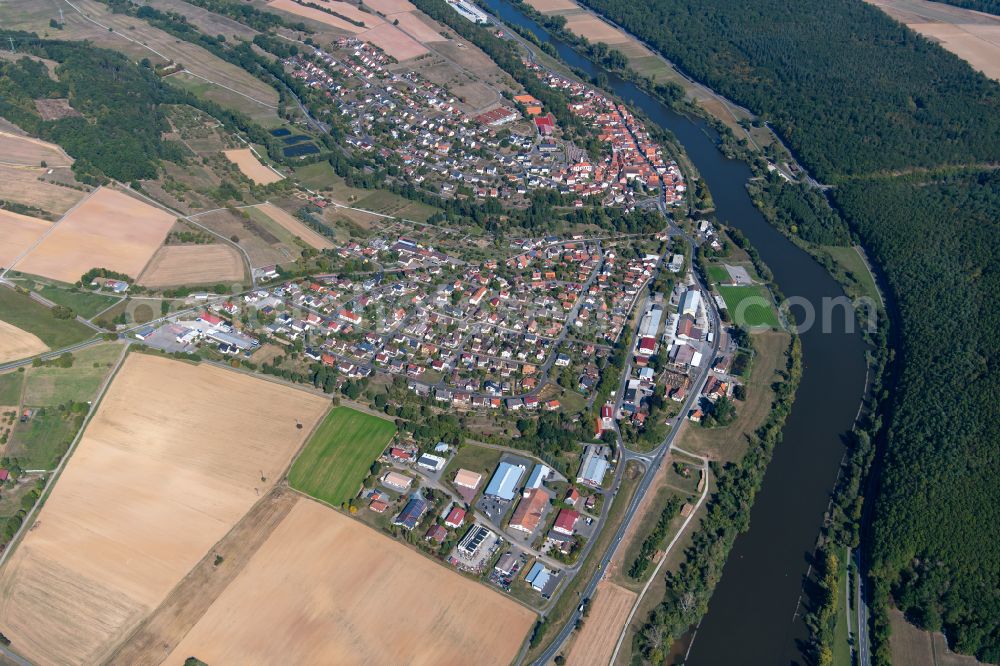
(566, 521)
(455, 517)
(647, 343)
(209, 318)
(4, 475)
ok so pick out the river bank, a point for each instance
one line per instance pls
(754, 615)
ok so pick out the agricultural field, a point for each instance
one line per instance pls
(18, 310)
(749, 305)
(263, 247)
(16, 343)
(175, 265)
(109, 230)
(138, 39)
(295, 227)
(53, 385)
(337, 458)
(323, 586)
(10, 388)
(33, 186)
(251, 167)
(26, 151)
(176, 454)
(609, 607)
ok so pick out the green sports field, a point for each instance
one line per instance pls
(337, 457)
(718, 274)
(758, 309)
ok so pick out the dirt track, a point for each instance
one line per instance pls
(326, 589)
(157, 636)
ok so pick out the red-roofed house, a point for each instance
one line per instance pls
(566, 522)
(209, 318)
(455, 517)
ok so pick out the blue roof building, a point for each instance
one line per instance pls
(538, 476)
(538, 576)
(505, 481)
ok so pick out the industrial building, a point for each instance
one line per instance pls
(504, 481)
(530, 510)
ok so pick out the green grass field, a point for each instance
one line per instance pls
(55, 386)
(337, 457)
(40, 443)
(318, 176)
(718, 274)
(749, 306)
(854, 267)
(475, 459)
(10, 388)
(84, 303)
(19, 310)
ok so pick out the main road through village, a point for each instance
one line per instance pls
(753, 615)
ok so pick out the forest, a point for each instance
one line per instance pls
(936, 528)
(118, 133)
(906, 133)
(988, 6)
(851, 90)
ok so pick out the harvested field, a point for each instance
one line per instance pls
(394, 41)
(418, 27)
(108, 230)
(15, 343)
(251, 167)
(552, 6)
(913, 646)
(187, 603)
(263, 247)
(595, 29)
(175, 265)
(316, 15)
(296, 227)
(164, 470)
(326, 589)
(972, 36)
(27, 151)
(17, 234)
(31, 186)
(609, 609)
(389, 7)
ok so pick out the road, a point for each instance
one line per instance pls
(655, 459)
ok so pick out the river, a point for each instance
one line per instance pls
(754, 616)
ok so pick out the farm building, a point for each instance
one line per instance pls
(411, 513)
(396, 481)
(566, 522)
(529, 511)
(504, 481)
(538, 476)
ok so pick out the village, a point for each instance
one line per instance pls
(505, 152)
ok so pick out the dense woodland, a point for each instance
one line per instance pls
(870, 106)
(936, 527)
(851, 90)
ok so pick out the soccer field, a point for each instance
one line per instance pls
(749, 306)
(337, 457)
